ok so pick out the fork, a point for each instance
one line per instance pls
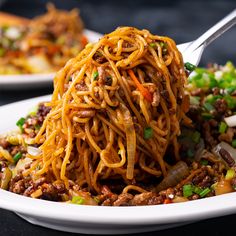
(192, 51)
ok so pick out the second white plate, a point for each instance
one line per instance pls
(37, 80)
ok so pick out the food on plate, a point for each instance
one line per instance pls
(124, 128)
(40, 45)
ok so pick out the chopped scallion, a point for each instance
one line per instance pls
(207, 116)
(208, 106)
(17, 157)
(77, 200)
(204, 192)
(95, 75)
(153, 45)
(190, 153)
(197, 190)
(234, 143)
(148, 133)
(204, 162)
(189, 66)
(222, 127)
(20, 123)
(187, 190)
(196, 137)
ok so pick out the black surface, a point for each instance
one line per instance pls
(182, 20)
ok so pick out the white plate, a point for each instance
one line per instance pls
(37, 80)
(99, 219)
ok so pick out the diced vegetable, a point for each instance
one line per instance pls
(204, 192)
(17, 157)
(189, 66)
(230, 174)
(95, 75)
(208, 106)
(33, 151)
(148, 133)
(77, 200)
(187, 190)
(234, 143)
(196, 137)
(222, 127)
(207, 116)
(230, 121)
(20, 123)
(204, 162)
(153, 45)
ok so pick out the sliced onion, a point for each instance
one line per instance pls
(33, 151)
(226, 153)
(177, 173)
(130, 140)
(230, 121)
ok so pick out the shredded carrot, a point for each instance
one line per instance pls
(84, 40)
(167, 201)
(147, 95)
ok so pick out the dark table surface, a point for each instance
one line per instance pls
(182, 20)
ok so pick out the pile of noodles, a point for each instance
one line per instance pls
(104, 100)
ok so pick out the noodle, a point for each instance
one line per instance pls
(103, 101)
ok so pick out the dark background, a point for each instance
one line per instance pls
(182, 20)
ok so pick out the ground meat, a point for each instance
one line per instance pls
(42, 112)
(123, 199)
(103, 77)
(228, 136)
(4, 143)
(81, 86)
(221, 106)
(148, 198)
(207, 134)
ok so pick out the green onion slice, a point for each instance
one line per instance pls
(17, 157)
(148, 133)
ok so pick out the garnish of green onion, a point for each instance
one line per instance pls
(148, 133)
(204, 162)
(17, 157)
(190, 153)
(230, 174)
(162, 44)
(95, 75)
(197, 190)
(207, 116)
(189, 66)
(196, 137)
(222, 127)
(234, 143)
(153, 45)
(187, 190)
(208, 106)
(204, 192)
(77, 200)
(20, 123)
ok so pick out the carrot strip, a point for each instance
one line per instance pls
(147, 95)
(167, 201)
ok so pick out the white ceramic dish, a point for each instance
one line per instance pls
(37, 80)
(104, 220)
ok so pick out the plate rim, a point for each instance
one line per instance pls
(156, 214)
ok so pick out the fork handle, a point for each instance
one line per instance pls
(214, 32)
